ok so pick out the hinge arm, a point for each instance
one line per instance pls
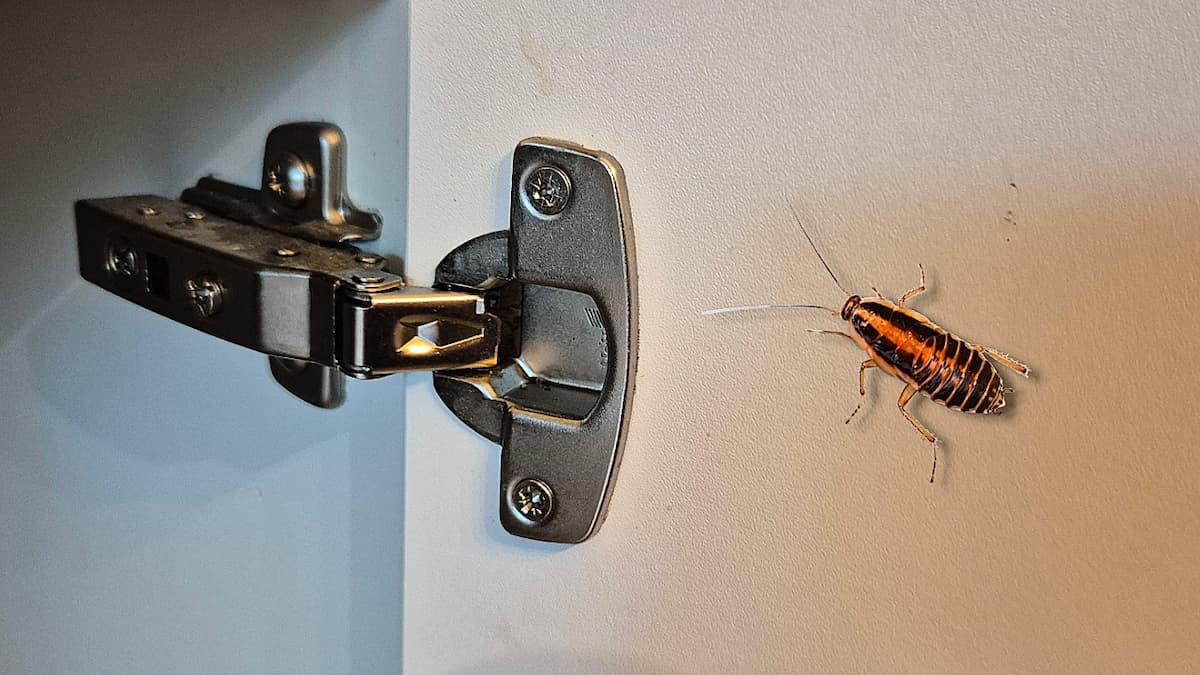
(277, 294)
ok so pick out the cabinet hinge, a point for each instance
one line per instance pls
(530, 332)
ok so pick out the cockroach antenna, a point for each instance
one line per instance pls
(747, 308)
(814, 248)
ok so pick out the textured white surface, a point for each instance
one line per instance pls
(1040, 161)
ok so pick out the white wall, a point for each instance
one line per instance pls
(164, 505)
(1040, 160)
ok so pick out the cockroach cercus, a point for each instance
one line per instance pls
(908, 346)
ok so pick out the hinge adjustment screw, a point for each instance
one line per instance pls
(123, 259)
(206, 294)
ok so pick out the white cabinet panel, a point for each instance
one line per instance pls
(1039, 160)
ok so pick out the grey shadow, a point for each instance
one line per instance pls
(162, 392)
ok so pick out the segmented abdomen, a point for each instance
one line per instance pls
(944, 368)
(958, 376)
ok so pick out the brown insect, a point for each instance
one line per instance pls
(907, 345)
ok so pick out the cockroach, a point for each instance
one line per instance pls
(906, 345)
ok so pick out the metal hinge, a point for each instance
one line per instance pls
(530, 332)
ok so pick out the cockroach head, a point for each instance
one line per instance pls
(850, 306)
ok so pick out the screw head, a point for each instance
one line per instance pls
(368, 258)
(290, 179)
(285, 252)
(532, 500)
(123, 259)
(147, 211)
(193, 215)
(547, 190)
(206, 295)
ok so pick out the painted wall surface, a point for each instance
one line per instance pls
(165, 507)
(1041, 161)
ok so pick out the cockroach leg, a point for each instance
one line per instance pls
(916, 291)
(905, 396)
(862, 387)
(1007, 360)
